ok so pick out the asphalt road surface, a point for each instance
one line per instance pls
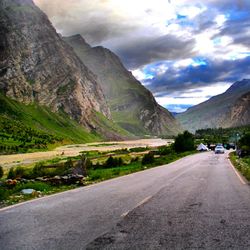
(198, 202)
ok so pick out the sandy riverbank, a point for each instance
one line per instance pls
(73, 150)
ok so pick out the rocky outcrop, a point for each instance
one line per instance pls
(230, 109)
(240, 112)
(37, 65)
(132, 106)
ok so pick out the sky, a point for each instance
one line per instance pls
(184, 51)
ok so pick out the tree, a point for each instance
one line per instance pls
(110, 162)
(1, 172)
(19, 172)
(119, 161)
(11, 174)
(244, 142)
(148, 158)
(184, 142)
(244, 145)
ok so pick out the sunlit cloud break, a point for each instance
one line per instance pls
(170, 46)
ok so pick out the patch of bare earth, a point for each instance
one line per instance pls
(74, 150)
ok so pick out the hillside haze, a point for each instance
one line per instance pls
(132, 106)
(230, 109)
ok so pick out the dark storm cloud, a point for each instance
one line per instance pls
(225, 5)
(193, 77)
(147, 50)
(91, 19)
(238, 28)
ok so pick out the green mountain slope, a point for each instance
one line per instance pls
(42, 119)
(132, 106)
(17, 118)
(230, 109)
(39, 68)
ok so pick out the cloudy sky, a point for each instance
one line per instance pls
(184, 51)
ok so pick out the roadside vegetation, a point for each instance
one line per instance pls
(221, 135)
(62, 174)
(241, 158)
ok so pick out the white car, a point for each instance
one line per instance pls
(219, 149)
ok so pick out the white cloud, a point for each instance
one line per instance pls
(220, 19)
(190, 11)
(193, 96)
(145, 32)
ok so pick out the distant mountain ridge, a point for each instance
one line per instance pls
(132, 106)
(230, 109)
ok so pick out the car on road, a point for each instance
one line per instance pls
(219, 149)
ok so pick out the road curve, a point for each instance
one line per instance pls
(195, 202)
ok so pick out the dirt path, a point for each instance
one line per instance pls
(74, 150)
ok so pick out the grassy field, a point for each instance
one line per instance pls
(242, 164)
(28, 128)
(101, 166)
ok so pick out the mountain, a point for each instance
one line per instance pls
(133, 107)
(174, 114)
(37, 66)
(230, 109)
(240, 112)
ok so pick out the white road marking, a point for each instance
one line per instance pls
(149, 197)
(125, 214)
(138, 205)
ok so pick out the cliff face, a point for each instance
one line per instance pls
(240, 111)
(132, 106)
(230, 109)
(37, 65)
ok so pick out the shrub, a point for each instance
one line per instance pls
(19, 172)
(165, 150)
(1, 172)
(110, 162)
(113, 162)
(184, 142)
(38, 170)
(138, 149)
(11, 174)
(68, 164)
(244, 145)
(134, 159)
(245, 141)
(3, 193)
(148, 158)
(119, 161)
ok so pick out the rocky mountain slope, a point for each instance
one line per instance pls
(229, 109)
(240, 111)
(132, 106)
(36, 65)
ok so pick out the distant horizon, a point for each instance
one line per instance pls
(181, 108)
(183, 51)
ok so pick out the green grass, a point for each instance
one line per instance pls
(10, 196)
(242, 164)
(98, 175)
(109, 127)
(104, 144)
(42, 120)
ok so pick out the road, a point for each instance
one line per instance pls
(197, 202)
